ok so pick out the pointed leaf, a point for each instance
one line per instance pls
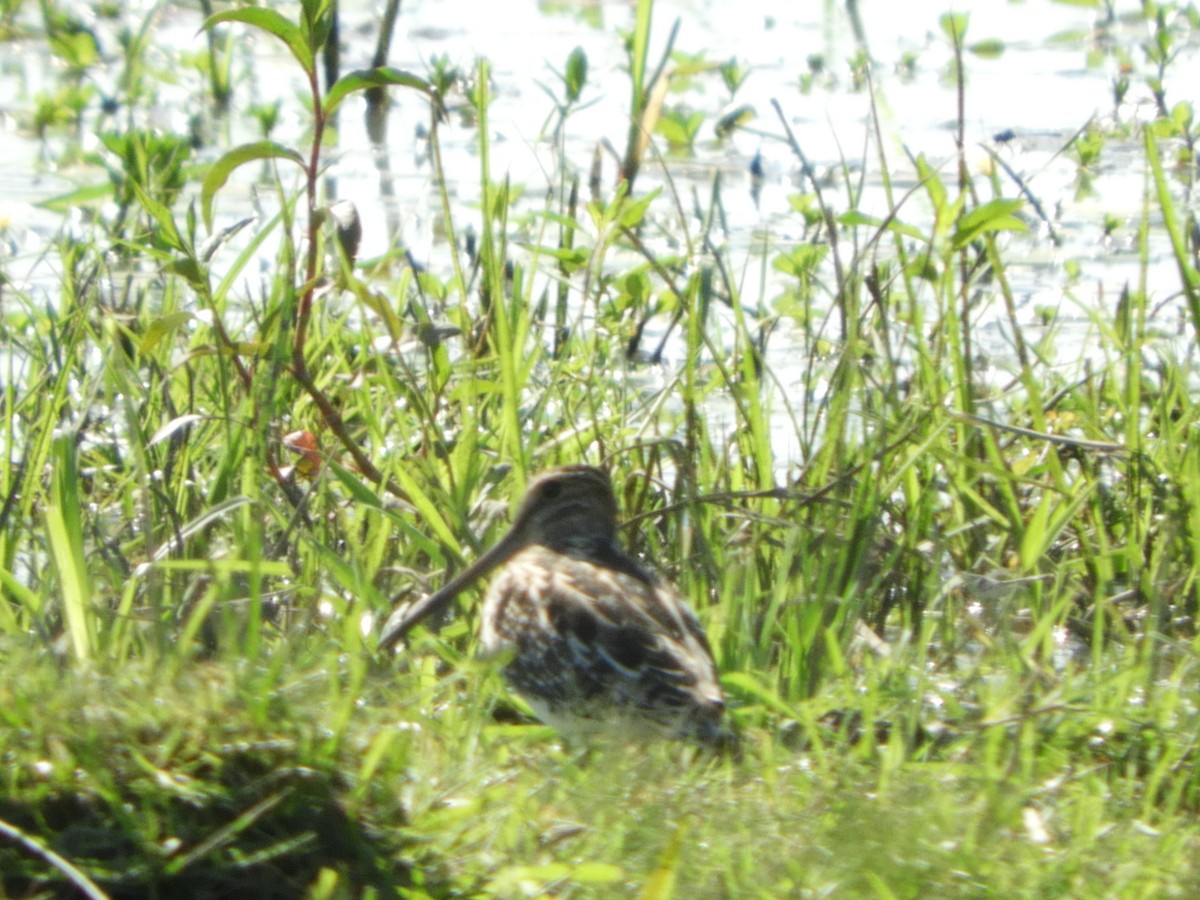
(633, 210)
(995, 215)
(161, 327)
(855, 218)
(273, 23)
(219, 172)
(82, 196)
(369, 78)
(932, 183)
(954, 26)
(161, 213)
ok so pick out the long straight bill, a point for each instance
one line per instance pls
(406, 618)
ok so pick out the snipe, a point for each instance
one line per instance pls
(598, 643)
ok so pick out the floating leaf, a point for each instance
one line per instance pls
(989, 49)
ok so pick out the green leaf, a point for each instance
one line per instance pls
(855, 218)
(366, 496)
(954, 26)
(661, 883)
(64, 527)
(802, 261)
(576, 75)
(597, 873)
(1172, 221)
(932, 183)
(30, 600)
(273, 23)
(989, 49)
(679, 131)
(995, 215)
(76, 46)
(177, 423)
(161, 214)
(1181, 116)
(318, 19)
(189, 268)
(372, 78)
(749, 688)
(81, 196)
(219, 172)
(632, 212)
(572, 258)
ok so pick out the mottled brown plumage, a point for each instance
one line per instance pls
(597, 642)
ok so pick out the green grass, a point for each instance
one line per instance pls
(957, 632)
(285, 775)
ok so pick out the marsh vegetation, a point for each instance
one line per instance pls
(942, 527)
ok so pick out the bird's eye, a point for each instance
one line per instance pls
(551, 490)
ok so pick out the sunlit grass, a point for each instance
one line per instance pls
(957, 631)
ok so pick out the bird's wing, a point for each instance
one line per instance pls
(642, 630)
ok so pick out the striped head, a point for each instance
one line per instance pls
(563, 507)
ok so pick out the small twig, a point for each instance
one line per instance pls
(775, 493)
(1079, 443)
(831, 226)
(335, 423)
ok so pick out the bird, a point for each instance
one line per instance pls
(595, 642)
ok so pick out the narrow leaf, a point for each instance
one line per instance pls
(173, 426)
(64, 527)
